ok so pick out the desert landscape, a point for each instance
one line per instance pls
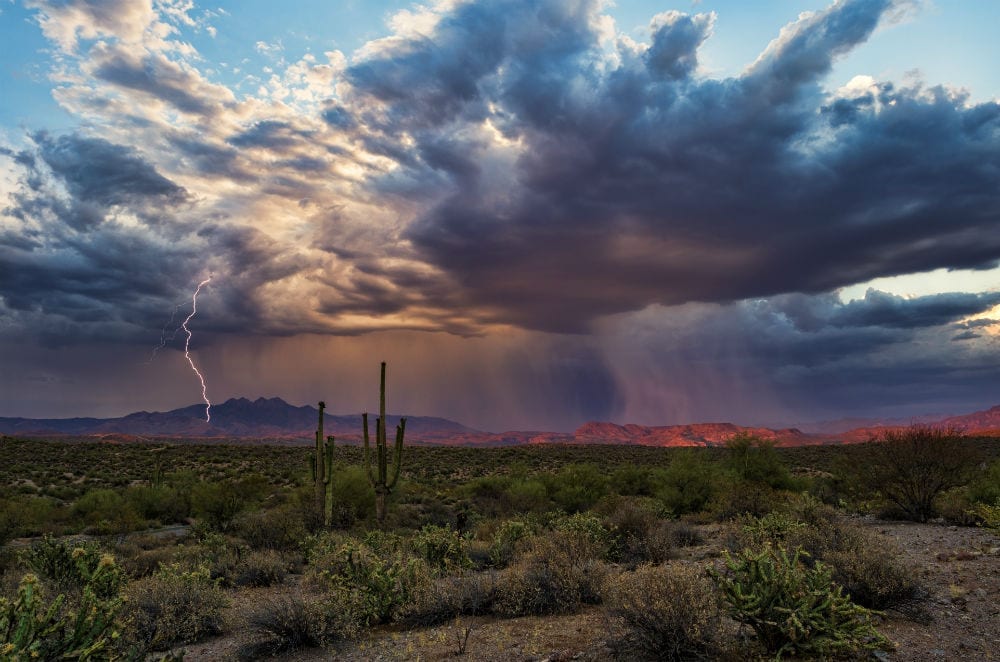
(732, 548)
(528, 330)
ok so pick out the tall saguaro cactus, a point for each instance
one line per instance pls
(380, 478)
(322, 470)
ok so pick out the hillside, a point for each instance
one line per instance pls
(274, 419)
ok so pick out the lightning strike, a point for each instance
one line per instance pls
(187, 346)
(164, 339)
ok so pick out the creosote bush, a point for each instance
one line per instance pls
(375, 578)
(290, 623)
(172, 606)
(557, 573)
(443, 548)
(464, 594)
(665, 612)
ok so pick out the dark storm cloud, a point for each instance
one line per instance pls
(639, 182)
(792, 357)
(76, 273)
(882, 309)
(97, 171)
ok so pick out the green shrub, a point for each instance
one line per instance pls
(990, 515)
(173, 606)
(526, 495)
(32, 629)
(577, 487)
(160, 503)
(218, 503)
(667, 612)
(282, 528)
(754, 460)
(774, 527)
(106, 511)
(956, 507)
(442, 548)
(508, 538)
(632, 480)
(353, 497)
(794, 609)
(588, 527)
(687, 485)
(985, 487)
(374, 583)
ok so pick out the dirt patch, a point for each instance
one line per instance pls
(960, 568)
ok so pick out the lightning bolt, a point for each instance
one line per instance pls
(164, 339)
(187, 347)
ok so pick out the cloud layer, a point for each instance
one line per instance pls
(498, 166)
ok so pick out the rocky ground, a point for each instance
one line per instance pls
(958, 566)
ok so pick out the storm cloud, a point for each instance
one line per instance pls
(586, 223)
(631, 180)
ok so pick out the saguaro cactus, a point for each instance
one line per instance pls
(380, 477)
(321, 464)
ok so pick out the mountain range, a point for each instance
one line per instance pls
(274, 420)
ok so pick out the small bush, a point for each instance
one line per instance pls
(557, 573)
(667, 612)
(956, 507)
(687, 485)
(985, 487)
(375, 583)
(443, 548)
(280, 529)
(106, 511)
(633, 524)
(465, 594)
(507, 540)
(794, 609)
(867, 566)
(288, 624)
(577, 487)
(260, 568)
(589, 528)
(217, 504)
(173, 606)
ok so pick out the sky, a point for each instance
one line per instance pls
(538, 212)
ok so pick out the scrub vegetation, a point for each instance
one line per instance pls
(136, 551)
